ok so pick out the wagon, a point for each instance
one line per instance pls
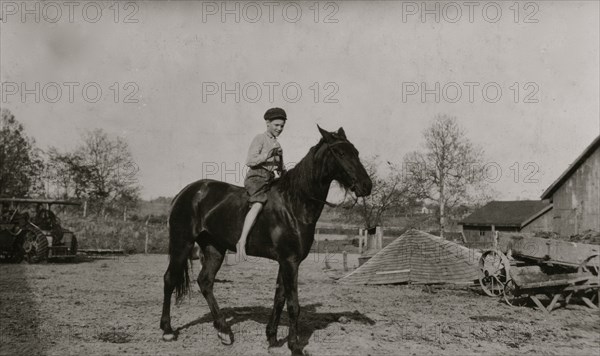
(522, 267)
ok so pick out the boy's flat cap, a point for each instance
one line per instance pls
(275, 113)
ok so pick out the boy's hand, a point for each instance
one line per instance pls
(277, 151)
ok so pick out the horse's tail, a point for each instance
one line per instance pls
(180, 237)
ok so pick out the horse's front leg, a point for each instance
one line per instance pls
(290, 285)
(278, 303)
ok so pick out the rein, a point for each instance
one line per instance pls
(332, 204)
(325, 202)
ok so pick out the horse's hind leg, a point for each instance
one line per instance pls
(213, 258)
(175, 273)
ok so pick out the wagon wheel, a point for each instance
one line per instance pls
(591, 265)
(35, 247)
(73, 250)
(14, 254)
(511, 297)
(18, 254)
(494, 266)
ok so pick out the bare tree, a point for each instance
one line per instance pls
(449, 171)
(67, 175)
(58, 175)
(388, 192)
(101, 170)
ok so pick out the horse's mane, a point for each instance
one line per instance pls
(300, 175)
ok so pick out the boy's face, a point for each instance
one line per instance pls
(275, 127)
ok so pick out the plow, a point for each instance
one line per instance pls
(34, 236)
(549, 273)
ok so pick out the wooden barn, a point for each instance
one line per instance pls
(575, 195)
(508, 216)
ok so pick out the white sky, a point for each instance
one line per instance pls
(176, 48)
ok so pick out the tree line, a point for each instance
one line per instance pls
(446, 174)
(99, 171)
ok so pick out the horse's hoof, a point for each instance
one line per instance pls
(168, 337)
(273, 342)
(226, 339)
(299, 352)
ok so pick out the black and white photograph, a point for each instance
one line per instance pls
(299, 177)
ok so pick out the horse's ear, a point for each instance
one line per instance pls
(341, 132)
(326, 134)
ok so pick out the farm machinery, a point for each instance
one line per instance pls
(524, 268)
(31, 231)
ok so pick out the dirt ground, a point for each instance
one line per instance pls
(112, 306)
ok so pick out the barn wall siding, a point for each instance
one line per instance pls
(576, 204)
(475, 239)
(542, 223)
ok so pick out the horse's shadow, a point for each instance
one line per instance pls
(309, 321)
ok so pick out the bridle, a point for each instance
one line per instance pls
(338, 160)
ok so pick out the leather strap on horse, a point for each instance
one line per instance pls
(335, 205)
(325, 202)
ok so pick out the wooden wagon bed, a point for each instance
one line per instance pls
(565, 287)
(513, 270)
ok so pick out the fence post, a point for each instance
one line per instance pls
(146, 242)
(345, 256)
(327, 266)
(359, 241)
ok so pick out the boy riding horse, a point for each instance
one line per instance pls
(265, 159)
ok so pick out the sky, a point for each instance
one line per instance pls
(187, 83)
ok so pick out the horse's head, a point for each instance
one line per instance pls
(347, 168)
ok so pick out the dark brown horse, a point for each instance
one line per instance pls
(211, 213)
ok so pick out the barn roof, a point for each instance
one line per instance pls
(507, 213)
(572, 168)
(418, 257)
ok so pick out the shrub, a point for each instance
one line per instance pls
(97, 233)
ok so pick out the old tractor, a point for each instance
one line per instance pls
(31, 231)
